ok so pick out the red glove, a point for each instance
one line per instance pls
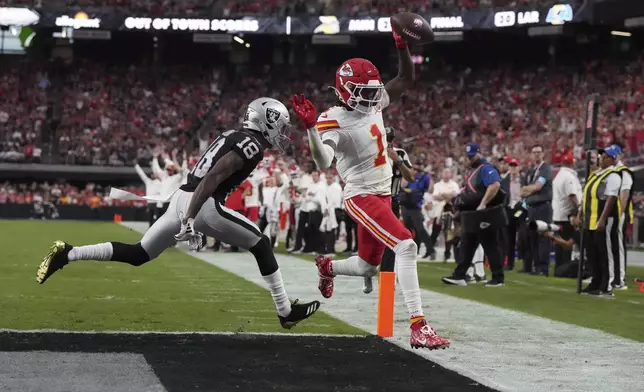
(400, 42)
(304, 110)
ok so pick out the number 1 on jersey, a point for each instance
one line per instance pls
(380, 158)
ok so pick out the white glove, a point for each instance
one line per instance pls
(196, 242)
(187, 231)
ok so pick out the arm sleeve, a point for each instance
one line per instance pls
(569, 186)
(141, 174)
(157, 169)
(323, 152)
(545, 174)
(437, 190)
(405, 158)
(613, 183)
(627, 182)
(489, 175)
(426, 182)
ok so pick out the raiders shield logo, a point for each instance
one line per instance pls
(272, 115)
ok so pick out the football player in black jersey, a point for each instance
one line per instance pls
(197, 208)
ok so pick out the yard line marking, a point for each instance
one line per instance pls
(207, 333)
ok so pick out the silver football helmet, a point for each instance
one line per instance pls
(270, 118)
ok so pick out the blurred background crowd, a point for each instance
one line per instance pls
(276, 7)
(111, 115)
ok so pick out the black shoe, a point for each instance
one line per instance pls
(54, 260)
(601, 293)
(495, 283)
(431, 254)
(589, 289)
(475, 279)
(298, 313)
(454, 280)
(480, 279)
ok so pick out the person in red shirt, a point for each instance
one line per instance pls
(235, 202)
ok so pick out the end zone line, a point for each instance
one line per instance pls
(207, 333)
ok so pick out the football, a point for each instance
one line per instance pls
(413, 28)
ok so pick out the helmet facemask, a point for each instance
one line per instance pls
(364, 98)
(278, 136)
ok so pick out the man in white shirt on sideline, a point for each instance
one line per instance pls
(171, 177)
(152, 189)
(302, 215)
(314, 201)
(566, 196)
(333, 207)
(444, 190)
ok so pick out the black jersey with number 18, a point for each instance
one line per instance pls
(246, 145)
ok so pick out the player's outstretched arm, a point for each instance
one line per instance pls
(406, 71)
(321, 152)
(224, 168)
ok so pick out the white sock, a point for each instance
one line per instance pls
(278, 292)
(408, 277)
(98, 252)
(479, 269)
(353, 266)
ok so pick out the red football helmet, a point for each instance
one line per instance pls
(358, 85)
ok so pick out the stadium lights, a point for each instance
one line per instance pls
(238, 39)
(247, 45)
(621, 33)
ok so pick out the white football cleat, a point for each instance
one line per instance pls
(367, 285)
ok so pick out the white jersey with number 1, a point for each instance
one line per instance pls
(360, 149)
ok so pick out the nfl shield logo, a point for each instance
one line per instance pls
(272, 115)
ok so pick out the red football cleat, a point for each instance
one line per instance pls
(325, 272)
(424, 336)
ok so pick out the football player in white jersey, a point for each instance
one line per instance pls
(353, 132)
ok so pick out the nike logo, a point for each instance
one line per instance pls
(422, 339)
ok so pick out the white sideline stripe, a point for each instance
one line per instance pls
(503, 349)
(207, 333)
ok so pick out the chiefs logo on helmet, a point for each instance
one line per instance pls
(346, 70)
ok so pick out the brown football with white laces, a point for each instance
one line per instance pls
(413, 28)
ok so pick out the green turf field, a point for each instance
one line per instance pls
(552, 298)
(173, 293)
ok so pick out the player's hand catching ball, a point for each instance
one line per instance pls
(398, 40)
(305, 110)
(410, 28)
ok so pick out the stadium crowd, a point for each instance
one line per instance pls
(276, 7)
(116, 115)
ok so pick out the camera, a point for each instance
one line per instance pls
(542, 227)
